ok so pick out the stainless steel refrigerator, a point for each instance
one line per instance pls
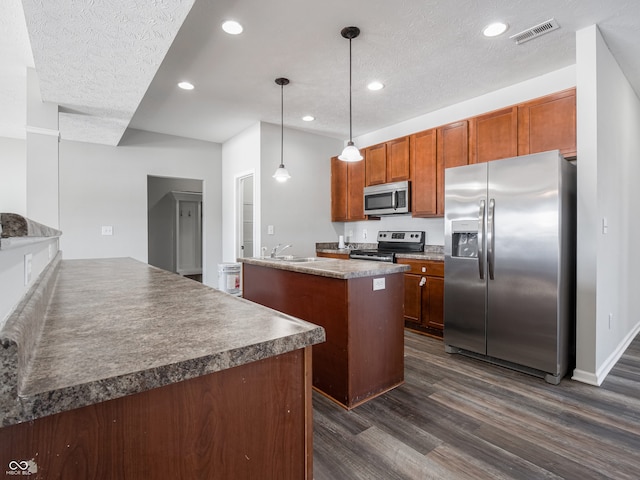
(509, 266)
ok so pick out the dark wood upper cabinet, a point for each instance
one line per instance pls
(548, 123)
(376, 164)
(398, 160)
(423, 147)
(453, 151)
(338, 190)
(355, 191)
(347, 190)
(388, 162)
(494, 135)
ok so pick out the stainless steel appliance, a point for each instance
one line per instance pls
(509, 262)
(387, 199)
(391, 243)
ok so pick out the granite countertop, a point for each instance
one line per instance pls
(115, 327)
(331, 267)
(16, 230)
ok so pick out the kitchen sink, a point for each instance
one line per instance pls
(291, 258)
(301, 259)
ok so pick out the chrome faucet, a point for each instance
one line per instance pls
(275, 251)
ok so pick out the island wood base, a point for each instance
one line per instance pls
(363, 356)
(251, 421)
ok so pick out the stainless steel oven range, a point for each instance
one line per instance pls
(389, 244)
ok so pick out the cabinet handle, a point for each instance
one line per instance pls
(423, 280)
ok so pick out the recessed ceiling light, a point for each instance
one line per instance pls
(186, 85)
(495, 29)
(375, 86)
(232, 27)
(308, 118)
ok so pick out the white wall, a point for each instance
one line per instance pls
(608, 163)
(13, 176)
(12, 272)
(240, 156)
(105, 185)
(518, 93)
(300, 208)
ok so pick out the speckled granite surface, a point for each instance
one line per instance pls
(115, 327)
(14, 225)
(330, 267)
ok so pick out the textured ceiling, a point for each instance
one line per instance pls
(97, 59)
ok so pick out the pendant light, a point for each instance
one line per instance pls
(350, 152)
(282, 175)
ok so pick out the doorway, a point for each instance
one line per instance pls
(245, 207)
(174, 241)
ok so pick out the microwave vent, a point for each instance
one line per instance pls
(534, 32)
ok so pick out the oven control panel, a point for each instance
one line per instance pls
(401, 237)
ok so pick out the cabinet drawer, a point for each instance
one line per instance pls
(432, 268)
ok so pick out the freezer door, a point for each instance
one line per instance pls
(465, 260)
(523, 260)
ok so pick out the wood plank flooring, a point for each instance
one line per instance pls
(460, 418)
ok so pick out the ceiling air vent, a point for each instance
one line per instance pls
(533, 32)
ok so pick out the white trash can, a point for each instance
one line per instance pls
(229, 278)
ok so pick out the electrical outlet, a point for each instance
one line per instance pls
(107, 230)
(610, 318)
(270, 230)
(378, 284)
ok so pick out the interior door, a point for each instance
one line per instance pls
(464, 261)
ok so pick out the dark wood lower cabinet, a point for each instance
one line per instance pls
(424, 296)
(363, 355)
(251, 421)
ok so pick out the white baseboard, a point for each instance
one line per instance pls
(602, 372)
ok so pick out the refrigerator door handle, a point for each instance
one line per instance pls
(481, 233)
(491, 237)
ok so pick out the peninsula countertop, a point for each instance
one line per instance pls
(329, 267)
(115, 327)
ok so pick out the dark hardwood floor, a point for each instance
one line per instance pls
(459, 418)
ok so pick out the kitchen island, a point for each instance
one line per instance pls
(115, 369)
(359, 304)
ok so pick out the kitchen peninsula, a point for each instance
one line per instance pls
(112, 368)
(358, 303)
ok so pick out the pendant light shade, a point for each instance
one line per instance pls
(281, 174)
(350, 152)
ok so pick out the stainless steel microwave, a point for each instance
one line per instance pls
(387, 199)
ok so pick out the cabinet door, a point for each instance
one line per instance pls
(355, 191)
(412, 298)
(453, 151)
(423, 173)
(548, 123)
(398, 164)
(433, 313)
(494, 135)
(376, 164)
(339, 179)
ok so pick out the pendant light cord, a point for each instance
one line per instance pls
(282, 125)
(350, 119)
